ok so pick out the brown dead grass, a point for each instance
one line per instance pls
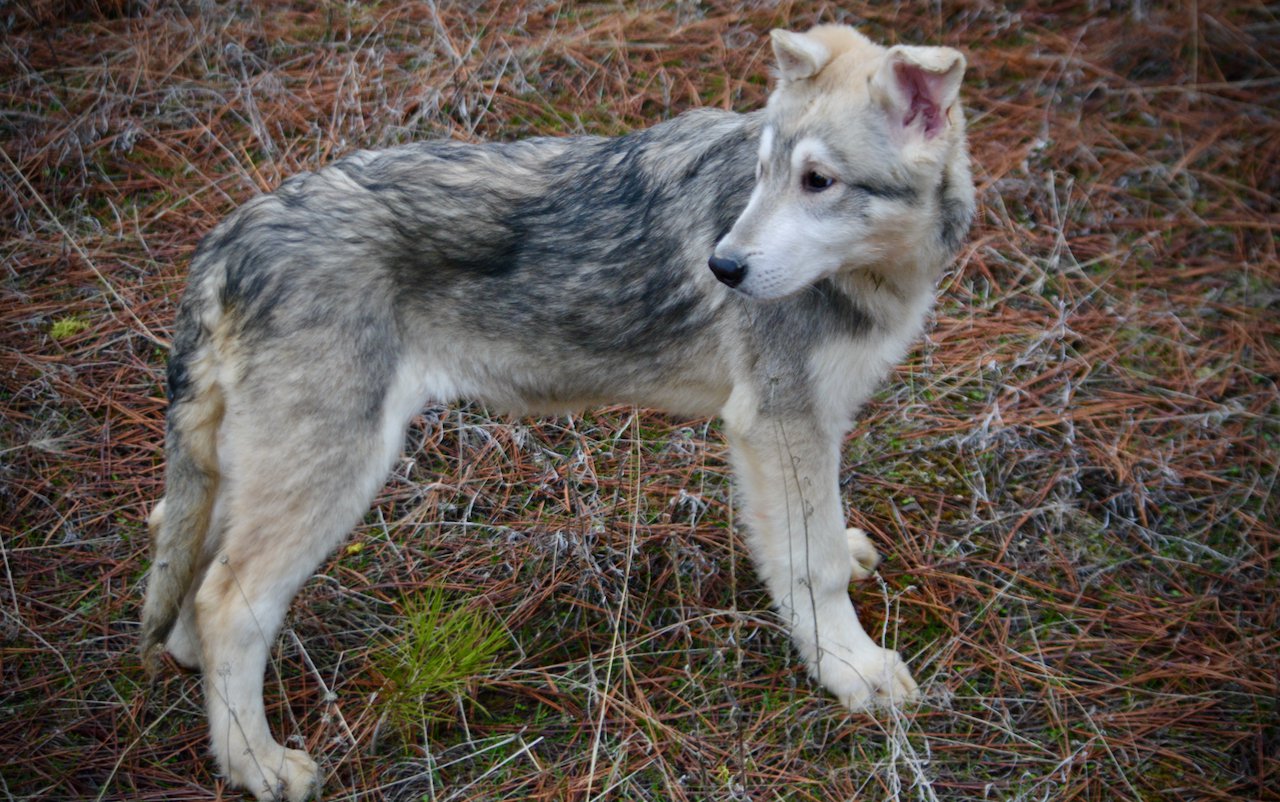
(1072, 476)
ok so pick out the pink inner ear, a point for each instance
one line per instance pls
(922, 90)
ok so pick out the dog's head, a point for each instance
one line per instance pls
(863, 166)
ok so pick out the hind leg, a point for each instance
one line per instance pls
(294, 488)
(183, 643)
(239, 609)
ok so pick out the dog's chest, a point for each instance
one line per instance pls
(845, 371)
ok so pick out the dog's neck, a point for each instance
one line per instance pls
(901, 282)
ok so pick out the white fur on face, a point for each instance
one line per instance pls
(886, 215)
(791, 237)
(767, 137)
(811, 153)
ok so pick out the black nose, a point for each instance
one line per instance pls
(730, 271)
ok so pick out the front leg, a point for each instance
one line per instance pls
(787, 469)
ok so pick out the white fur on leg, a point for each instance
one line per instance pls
(247, 754)
(806, 556)
(235, 640)
(863, 554)
(844, 658)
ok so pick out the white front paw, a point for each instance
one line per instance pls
(862, 553)
(870, 678)
(276, 774)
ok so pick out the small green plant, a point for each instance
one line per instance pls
(441, 648)
(69, 326)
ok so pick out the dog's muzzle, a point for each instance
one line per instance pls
(731, 272)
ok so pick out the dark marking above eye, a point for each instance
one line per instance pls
(877, 189)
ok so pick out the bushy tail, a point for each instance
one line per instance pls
(180, 523)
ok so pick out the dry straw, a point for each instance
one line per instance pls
(1073, 477)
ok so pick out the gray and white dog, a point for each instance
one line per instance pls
(768, 267)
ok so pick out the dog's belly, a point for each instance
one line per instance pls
(512, 378)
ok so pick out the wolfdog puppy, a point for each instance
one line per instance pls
(767, 267)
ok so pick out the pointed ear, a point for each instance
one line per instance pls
(918, 86)
(799, 55)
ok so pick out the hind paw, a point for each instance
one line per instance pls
(288, 775)
(183, 647)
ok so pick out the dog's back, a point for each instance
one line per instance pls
(539, 275)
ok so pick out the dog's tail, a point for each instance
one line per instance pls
(180, 522)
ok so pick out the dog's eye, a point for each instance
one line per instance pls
(815, 181)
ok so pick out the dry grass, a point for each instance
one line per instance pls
(1073, 477)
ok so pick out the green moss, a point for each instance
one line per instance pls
(64, 328)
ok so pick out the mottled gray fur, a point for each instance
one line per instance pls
(537, 276)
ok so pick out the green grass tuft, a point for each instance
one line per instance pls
(440, 650)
